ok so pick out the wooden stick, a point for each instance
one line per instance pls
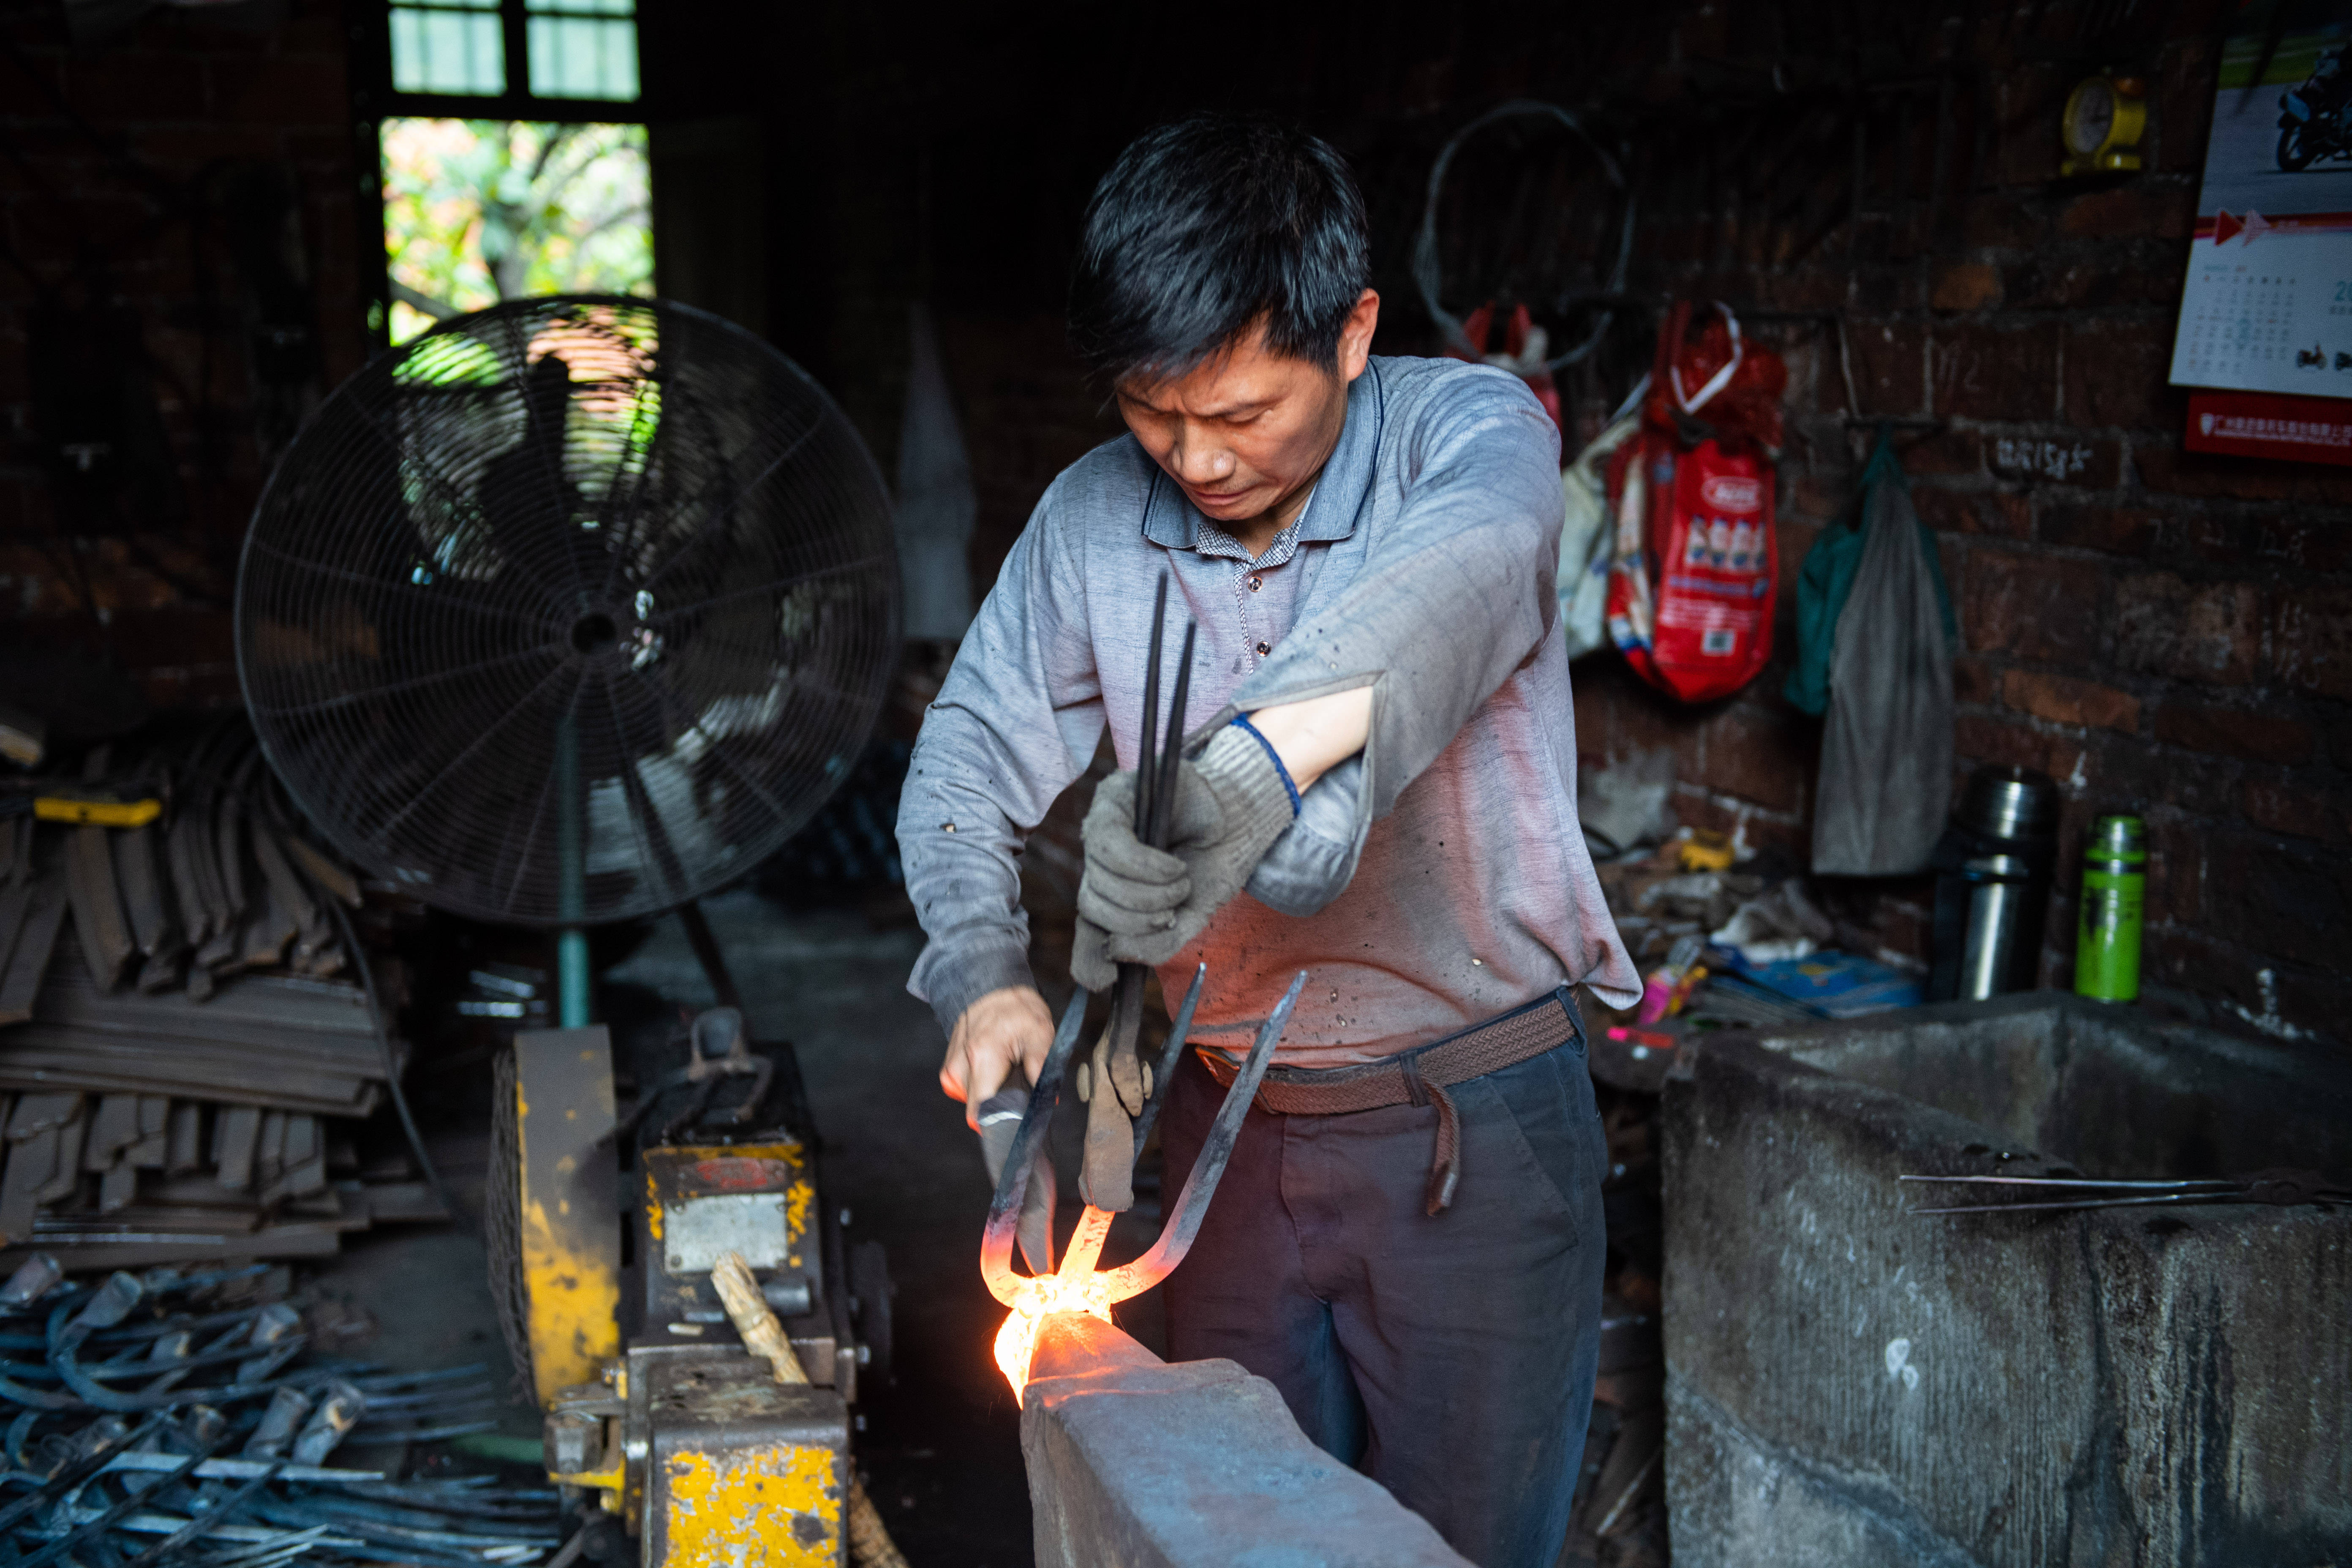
(763, 1336)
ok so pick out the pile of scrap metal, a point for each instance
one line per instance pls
(169, 1418)
(183, 1027)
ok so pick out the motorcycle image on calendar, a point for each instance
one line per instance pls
(2313, 118)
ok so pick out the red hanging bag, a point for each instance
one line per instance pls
(1696, 573)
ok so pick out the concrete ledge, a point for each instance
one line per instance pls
(1135, 1463)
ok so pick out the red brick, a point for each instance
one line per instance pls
(2143, 209)
(2116, 375)
(2284, 808)
(2303, 544)
(2004, 513)
(2317, 1000)
(2002, 222)
(2235, 732)
(1974, 681)
(1983, 372)
(2119, 531)
(1888, 378)
(2288, 901)
(2101, 277)
(2175, 870)
(1965, 286)
(2207, 632)
(2311, 639)
(2168, 468)
(1981, 738)
(1815, 494)
(2027, 97)
(2033, 606)
(2324, 485)
(2182, 102)
(2062, 699)
(2127, 769)
(1758, 755)
(1795, 541)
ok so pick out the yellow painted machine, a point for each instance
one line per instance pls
(653, 1403)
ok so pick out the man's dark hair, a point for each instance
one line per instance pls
(1206, 226)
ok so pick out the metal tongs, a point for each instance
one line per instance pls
(2284, 1188)
(1123, 1093)
(1005, 1213)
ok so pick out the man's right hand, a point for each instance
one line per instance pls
(1007, 1028)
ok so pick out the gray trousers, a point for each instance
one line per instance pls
(1449, 1357)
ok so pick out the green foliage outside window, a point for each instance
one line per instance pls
(477, 211)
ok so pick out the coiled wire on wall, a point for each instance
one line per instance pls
(1427, 268)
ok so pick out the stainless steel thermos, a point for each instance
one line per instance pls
(1992, 885)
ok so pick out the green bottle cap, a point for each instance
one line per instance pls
(2117, 838)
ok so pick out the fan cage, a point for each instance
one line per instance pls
(570, 610)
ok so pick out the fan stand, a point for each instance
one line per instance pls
(571, 977)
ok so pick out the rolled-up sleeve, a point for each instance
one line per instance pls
(1015, 723)
(1451, 597)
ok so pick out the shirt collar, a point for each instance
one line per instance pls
(1171, 521)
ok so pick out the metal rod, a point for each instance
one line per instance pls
(571, 976)
(2087, 1203)
(1147, 770)
(708, 955)
(1163, 795)
(2180, 1186)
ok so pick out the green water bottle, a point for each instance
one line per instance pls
(2115, 892)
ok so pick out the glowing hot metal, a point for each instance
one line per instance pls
(1075, 1286)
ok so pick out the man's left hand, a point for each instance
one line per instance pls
(1141, 905)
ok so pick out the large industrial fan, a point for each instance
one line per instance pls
(571, 611)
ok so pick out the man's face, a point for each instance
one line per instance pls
(1245, 431)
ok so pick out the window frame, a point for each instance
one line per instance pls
(377, 98)
(374, 100)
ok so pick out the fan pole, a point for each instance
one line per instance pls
(571, 940)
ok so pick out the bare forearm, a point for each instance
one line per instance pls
(1317, 735)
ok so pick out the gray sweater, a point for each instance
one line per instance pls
(1433, 880)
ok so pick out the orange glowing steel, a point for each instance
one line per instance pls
(1076, 1288)
(1016, 1341)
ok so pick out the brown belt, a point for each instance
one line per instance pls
(1419, 1077)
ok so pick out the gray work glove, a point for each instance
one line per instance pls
(1141, 905)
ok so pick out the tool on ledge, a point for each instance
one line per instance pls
(2280, 1188)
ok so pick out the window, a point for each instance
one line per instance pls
(573, 50)
(475, 211)
(583, 48)
(458, 47)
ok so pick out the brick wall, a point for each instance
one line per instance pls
(123, 173)
(2160, 631)
(2156, 630)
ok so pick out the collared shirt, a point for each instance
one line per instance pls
(1434, 880)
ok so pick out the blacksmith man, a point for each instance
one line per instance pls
(1408, 1240)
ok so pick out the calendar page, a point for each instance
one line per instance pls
(2268, 302)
